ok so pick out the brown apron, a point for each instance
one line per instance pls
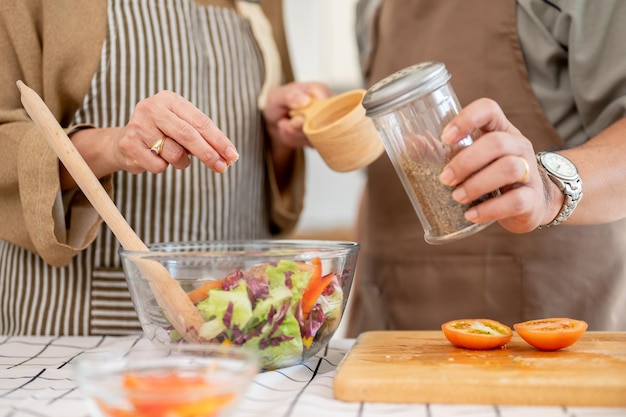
(405, 283)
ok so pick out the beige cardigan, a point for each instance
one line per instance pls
(54, 47)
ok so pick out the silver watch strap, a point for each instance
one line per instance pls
(572, 197)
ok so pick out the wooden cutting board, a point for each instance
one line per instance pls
(423, 367)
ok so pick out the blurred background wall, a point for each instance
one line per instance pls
(323, 48)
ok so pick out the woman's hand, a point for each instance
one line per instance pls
(285, 131)
(501, 158)
(187, 131)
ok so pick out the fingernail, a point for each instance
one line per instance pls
(459, 195)
(449, 133)
(471, 215)
(220, 166)
(231, 154)
(301, 100)
(447, 177)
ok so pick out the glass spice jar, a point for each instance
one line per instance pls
(409, 109)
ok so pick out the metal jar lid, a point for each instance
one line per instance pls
(403, 86)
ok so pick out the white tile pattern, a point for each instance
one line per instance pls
(36, 381)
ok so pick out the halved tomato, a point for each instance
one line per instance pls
(551, 333)
(479, 334)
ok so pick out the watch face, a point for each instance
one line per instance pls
(560, 165)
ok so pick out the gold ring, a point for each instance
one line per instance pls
(526, 170)
(157, 148)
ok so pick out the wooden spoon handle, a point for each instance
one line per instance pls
(78, 168)
(170, 296)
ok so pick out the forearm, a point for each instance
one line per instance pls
(602, 167)
(95, 146)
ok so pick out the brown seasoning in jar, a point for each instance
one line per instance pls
(445, 214)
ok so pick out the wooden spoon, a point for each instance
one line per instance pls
(170, 296)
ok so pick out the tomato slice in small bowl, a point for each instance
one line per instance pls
(478, 334)
(551, 333)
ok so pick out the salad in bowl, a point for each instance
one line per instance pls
(281, 299)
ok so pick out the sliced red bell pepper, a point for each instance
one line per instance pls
(316, 286)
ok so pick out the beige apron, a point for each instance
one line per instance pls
(405, 283)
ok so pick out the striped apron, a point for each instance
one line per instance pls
(209, 56)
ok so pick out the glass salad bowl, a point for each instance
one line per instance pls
(187, 380)
(281, 299)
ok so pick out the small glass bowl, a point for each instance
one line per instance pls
(188, 380)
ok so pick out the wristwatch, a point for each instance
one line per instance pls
(563, 173)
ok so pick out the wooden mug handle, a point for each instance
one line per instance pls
(311, 108)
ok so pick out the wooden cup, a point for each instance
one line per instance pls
(338, 129)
